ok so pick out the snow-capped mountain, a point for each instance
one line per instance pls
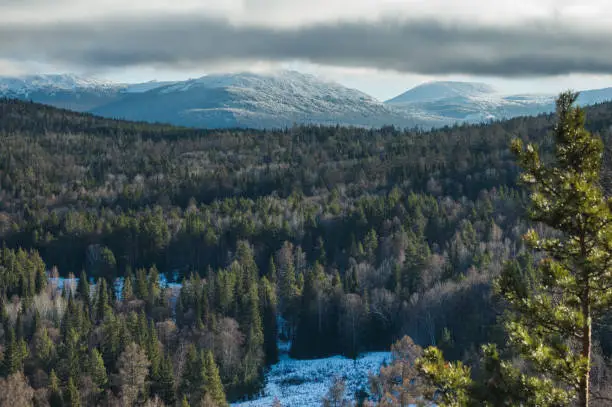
(280, 99)
(69, 91)
(25, 85)
(457, 102)
(255, 100)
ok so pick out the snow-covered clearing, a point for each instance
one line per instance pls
(301, 383)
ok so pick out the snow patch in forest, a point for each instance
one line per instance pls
(302, 383)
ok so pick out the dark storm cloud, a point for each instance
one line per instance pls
(426, 47)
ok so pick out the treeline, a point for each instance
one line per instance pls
(350, 238)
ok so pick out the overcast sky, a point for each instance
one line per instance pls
(382, 47)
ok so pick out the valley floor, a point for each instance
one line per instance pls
(304, 383)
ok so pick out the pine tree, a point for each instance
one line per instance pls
(185, 403)
(552, 306)
(572, 285)
(212, 381)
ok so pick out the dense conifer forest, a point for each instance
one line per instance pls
(340, 240)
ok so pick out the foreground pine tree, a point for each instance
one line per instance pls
(552, 316)
(552, 307)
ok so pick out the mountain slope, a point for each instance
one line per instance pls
(280, 100)
(69, 91)
(253, 100)
(452, 102)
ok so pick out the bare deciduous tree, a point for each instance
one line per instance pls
(133, 370)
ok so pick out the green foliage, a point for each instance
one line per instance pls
(164, 382)
(55, 394)
(551, 307)
(452, 380)
(212, 382)
(361, 234)
(96, 369)
(571, 285)
(71, 394)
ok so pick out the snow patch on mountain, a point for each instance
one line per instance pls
(440, 90)
(145, 86)
(25, 85)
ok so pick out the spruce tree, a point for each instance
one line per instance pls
(127, 291)
(71, 395)
(192, 378)
(164, 382)
(142, 284)
(83, 289)
(97, 370)
(13, 355)
(212, 381)
(153, 349)
(270, 323)
(103, 306)
(43, 347)
(55, 394)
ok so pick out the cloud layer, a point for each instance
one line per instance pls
(540, 41)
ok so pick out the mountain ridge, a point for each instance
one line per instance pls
(281, 99)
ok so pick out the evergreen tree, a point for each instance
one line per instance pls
(272, 271)
(192, 378)
(270, 328)
(554, 304)
(127, 292)
(43, 346)
(14, 353)
(55, 394)
(83, 289)
(212, 382)
(71, 395)
(572, 283)
(255, 339)
(153, 288)
(153, 349)
(142, 285)
(103, 306)
(97, 370)
(164, 382)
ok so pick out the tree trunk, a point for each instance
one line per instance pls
(584, 389)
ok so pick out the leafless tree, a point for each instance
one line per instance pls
(15, 391)
(133, 370)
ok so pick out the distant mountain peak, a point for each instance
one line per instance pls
(437, 90)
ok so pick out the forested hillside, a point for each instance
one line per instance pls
(354, 237)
